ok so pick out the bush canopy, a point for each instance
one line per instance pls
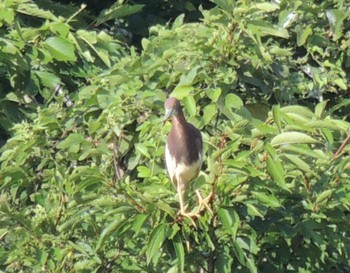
(83, 186)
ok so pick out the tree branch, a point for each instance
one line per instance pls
(342, 146)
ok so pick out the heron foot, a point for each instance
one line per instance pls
(205, 202)
(192, 216)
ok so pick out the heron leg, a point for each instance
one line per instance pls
(190, 215)
(181, 198)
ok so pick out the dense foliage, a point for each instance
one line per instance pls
(82, 178)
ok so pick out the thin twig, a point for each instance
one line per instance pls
(60, 212)
(82, 7)
(212, 256)
(118, 172)
(342, 146)
(212, 227)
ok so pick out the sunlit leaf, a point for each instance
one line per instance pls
(301, 164)
(190, 105)
(71, 140)
(187, 79)
(277, 117)
(61, 49)
(292, 138)
(208, 113)
(252, 210)
(303, 32)
(323, 196)
(182, 91)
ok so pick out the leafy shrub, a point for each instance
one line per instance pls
(41, 51)
(84, 187)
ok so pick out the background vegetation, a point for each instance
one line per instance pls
(82, 178)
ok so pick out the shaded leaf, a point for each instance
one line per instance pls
(154, 243)
(106, 232)
(269, 200)
(275, 169)
(117, 11)
(180, 251)
(230, 220)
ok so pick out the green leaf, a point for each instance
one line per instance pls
(292, 138)
(7, 15)
(224, 260)
(32, 9)
(60, 49)
(225, 5)
(107, 231)
(251, 265)
(262, 28)
(190, 105)
(297, 161)
(233, 101)
(298, 110)
(47, 79)
(179, 21)
(117, 11)
(341, 83)
(277, 117)
(328, 123)
(71, 141)
(303, 32)
(179, 251)
(252, 210)
(265, 7)
(269, 200)
(258, 110)
(336, 18)
(182, 91)
(275, 168)
(209, 112)
(239, 253)
(166, 208)
(142, 149)
(91, 39)
(154, 244)
(320, 108)
(61, 29)
(230, 220)
(143, 172)
(324, 196)
(188, 79)
(138, 222)
(213, 94)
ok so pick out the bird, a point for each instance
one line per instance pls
(183, 153)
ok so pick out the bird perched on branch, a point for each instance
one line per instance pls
(183, 153)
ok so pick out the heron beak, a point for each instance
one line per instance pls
(168, 114)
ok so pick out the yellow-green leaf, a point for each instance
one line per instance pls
(292, 138)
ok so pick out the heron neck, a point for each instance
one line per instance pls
(179, 119)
